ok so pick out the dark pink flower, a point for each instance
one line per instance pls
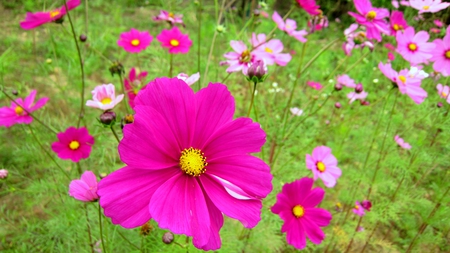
(169, 17)
(317, 23)
(188, 162)
(33, 20)
(74, 144)
(402, 143)
(441, 55)
(358, 210)
(414, 47)
(398, 22)
(133, 84)
(372, 18)
(389, 47)
(296, 206)
(175, 41)
(309, 6)
(134, 41)
(391, 56)
(428, 5)
(366, 204)
(323, 164)
(16, 114)
(84, 189)
(314, 85)
(438, 23)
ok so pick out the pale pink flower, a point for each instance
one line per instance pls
(441, 55)
(357, 96)
(345, 80)
(296, 111)
(169, 17)
(3, 173)
(414, 46)
(84, 189)
(270, 51)
(417, 73)
(402, 143)
(444, 92)
(289, 27)
(355, 39)
(438, 23)
(314, 85)
(323, 164)
(189, 79)
(104, 97)
(372, 18)
(428, 5)
(358, 210)
(239, 59)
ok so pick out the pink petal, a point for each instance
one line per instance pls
(313, 198)
(313, 231)
(295, 233)
(319, 216)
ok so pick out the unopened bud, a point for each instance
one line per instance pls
(257, 72)
(167, 238)
(83, 37)
(366, 204)
(103, 175)
(338, 105)
(365, 102)
(359, 88)
(15, 92)
(439, 104)
(108, 118)
(117, 68)
(220, 29)
(338, 86)
(256, 12)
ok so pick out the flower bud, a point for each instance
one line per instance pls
(83, 37)
(167, 238)
(146, 229)
(220, 29)
(337, 105)
(117, 68)
(15, 92)
(338, 86)
(366, 204)
(257, 72)
(365, 102)
(3, 173)
(108, 118)
(439, 104)
(359, 88)
(256, 13)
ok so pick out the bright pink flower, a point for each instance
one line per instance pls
(441, 55)
(296, 206)
(366, 204)
(314, 85)
(444, 92)
(438, 23)
(33, 20)
(317, 23)
(435, 30)
(270, 51)
(104, 97)
(84, 189)
(389, 47)
(309, 6)
(401, 142)
(175, 41)
(355, 39)
(190, 80)
(187, 162)
(323, 164)
(3, 174)
(428, 5)
(372, 18)
(357, 96)
(391, 56)
(133, 84)
(398, 22)
(406, 84)
(289, 27)
(240, 59)
(414, 47)
(74, 144)
(134, 41)
(345, 80)
(169, 17)
(15, 114)
(358, 210)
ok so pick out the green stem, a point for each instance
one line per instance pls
(88, 228)
(171, 65)
(125, 94)
(253, 97)
(115, 134)
(354, 233)
(101, 228)
(86, 16)
(199, 37)
(128, 241)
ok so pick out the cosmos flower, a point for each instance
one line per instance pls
(323, 164)
(134, 41)
(104, 97)
(33, 20)
(372, 18)
(345, 80)
(190, 80)
(74, 144)
(402, 143)
(441, 55)
(443, 92)
(309, 6)
(296, 111)
(314, 85)
(428, 5)
(133, 84)
(289, 27)
(357, 96)
(187, 163)
(240, 59)
(296, 206)
(414, 47)
(271, 51)
(3, 174)
(85, 188)
(175, 41)
(169, 17)
(15, 114)
(358, 210)
(355, 39)
(398, 22)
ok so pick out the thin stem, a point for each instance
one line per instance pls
(354, 233)
(199, 42)
(115, 134)
(125, 97)
(88, 228)
(223, 80)
(253, 97)
(128, 241)
(86, 16)
(101, 227)
(171, 65)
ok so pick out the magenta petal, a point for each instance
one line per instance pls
(314, 198)
(125, 194)
(319, 216)
(41, 102)
(313, 231)
(179, 205)
(216, 215)
(30, 99)
(77, 189)
(295, 234)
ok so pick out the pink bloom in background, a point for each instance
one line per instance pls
(372, 18)
(189, 79)
(441, 55)
(398, 22)
(186, 171)
(74, 144)
(289, 27)
(269, 52)
(444, 92)
(391, 56)
(134, 41)
(358, 210)
(401, 142)
(133, 84)
(16, 114)
(3, 174)
(414, 46)
(345, 80)
(417, 73)
(367, 205)
(357, 96)
(406, 84)
(355, 39)
(296, 206)
(104, 97)
(323, 164)
(435, 30)
(240, 59)
(438, 23)
(85, 188)
(175, 41)
(317, 23)
(428, 5)
(309, 6)
(33, 20)
(389, 47)
(395, 3)
(169, 17)
(296, 111)
(314, 85)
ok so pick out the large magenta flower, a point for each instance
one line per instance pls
(175, 41)
(441, 55)
(33, 20)
(372, 18)
(414, 46)
(16, 114)
(296, 207)
(74, 144)
(323, 164)
(135, 41)
(187, 162)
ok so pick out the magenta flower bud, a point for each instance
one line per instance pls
(83, 37)
(439, 104)
(359, 88)
(167, 238)
(108, 118)
(15, 92)
(338, 86)
(366, 204)
(365, 102)
(257, 72)
(338, 105)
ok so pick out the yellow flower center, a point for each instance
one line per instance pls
(287, 27)
(74, 145)
(245, 56)
(402, 78)
(171, 15)
(54, 13)
(371, 15)
(135, 42)
(193, 162)
(268, 50)
(174, 43)
(412, 47)
(447, 54)
(356, 207)
(444, 94)
(320, 166)
(426, 7)
(18, 110)
(398, 27)
(298, 211)
(106, 101)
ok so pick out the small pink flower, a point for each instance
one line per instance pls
(391, 56)
(309, 6)
(270, 51)
(289, 27)
(358, 210)
(317, 23)
(443, 92)
(389, 47)
(360, 229)
(395, 3)
(438, 23)
(74, 144)
(240, 59)
(134, 41)
(372, 18)
(314, 85)
(84, 189)
(398, 22)
(428, 5)
(104, 97)
(401, 142)
(357, 96)
(345, 80)
(3, 174)
(33, 20)
(296, 206)
(175, 41)
(323, 164)
(355, 39)
(414, 46)
(441, 55)
(435, 30)
(189, 79)
(169, 17)
(133, 84)
(16, 114)
(296, 111)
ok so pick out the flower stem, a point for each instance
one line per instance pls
(128, 241)
(88, 228)
(253, 97)
(354, 233)
(171, 65)
(199, 42)
(101, 227)
(115, 134)
(86, 16)
(125, 95)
